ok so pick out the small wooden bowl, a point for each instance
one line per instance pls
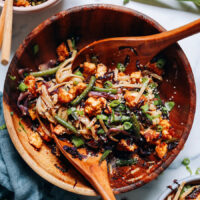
(90, 23)
(30, 9)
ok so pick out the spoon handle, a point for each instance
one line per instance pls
(101, 181)
(162, 40)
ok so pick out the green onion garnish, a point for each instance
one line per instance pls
(145, 108)
(77, 141)
(22, 87)
(127, 125)
(114, 103)
(160, 63)
(197, 171)
(105, 155)
(121, 67)
(186, 161)
(120, 163)
(169, 105)
(100, 132)
(102, 116)
(35, 49)
(78, 73)
(12, 77)
(108, 84)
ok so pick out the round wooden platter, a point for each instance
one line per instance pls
(90, 23)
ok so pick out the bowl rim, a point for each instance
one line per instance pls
(186, 131)
(188, 179)
(36, 8)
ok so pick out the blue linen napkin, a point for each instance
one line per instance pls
(17, 180)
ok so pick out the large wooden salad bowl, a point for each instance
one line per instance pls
(90, 23)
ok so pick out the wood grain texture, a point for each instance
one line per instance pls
(91, 23)
(2, 22)
(142, 48)
(7, 33)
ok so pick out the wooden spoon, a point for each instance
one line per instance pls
(90, 168)
(140, 49)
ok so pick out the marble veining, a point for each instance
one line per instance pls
(170, 15)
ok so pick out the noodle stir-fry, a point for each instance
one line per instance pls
(102, 109)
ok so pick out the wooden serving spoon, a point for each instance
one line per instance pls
(90, 167)
(140, 49)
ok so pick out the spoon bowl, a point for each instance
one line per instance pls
(90, 167)
(140, 50)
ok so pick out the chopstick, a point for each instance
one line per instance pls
(2, 20)
(7, 33)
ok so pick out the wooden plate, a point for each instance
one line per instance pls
(89, 23)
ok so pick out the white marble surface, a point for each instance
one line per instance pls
(169, 14)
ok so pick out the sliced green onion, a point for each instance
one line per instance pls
(157, 102)
(118, 119)
(124, 118)
(114, 103)
(100, 132)
(121, 67)
(11, 113)
(69, 110)
(169, 105)
(159, 128)
(197, 172)
(149, 117)
(189, 169)
(121, 163)
(164, 110)
(77, 141)
(108, 84)
(73, 112)
(80, 112)
(121, 108)
(12, 77)
(155, 116)
(153, 85)
(160, 63)
(102, 116)
(105, 155)
(127, 125)
(145, 108)
(78, 73)
(22, 87)
(144, 80)
(126, 1)
(21, 125)
(35, 49)
(186, 161)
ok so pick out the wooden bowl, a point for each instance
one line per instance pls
(89, 23)
(30, 9)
